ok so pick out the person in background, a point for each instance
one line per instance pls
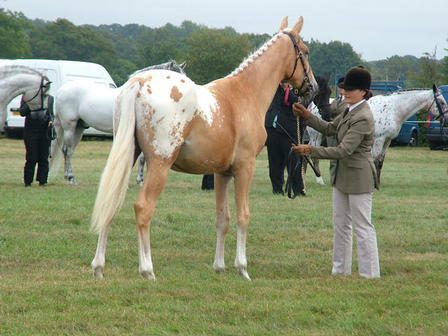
(355, 174)
(281, 126)
(37, 138)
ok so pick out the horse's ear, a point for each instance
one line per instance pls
(284, 24)
(328, 76)
(183, 65)
(298, 26)
(434, 88)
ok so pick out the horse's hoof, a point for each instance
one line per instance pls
(98, 272)
(148, 275)
(219, 267)
(72, 181)
(244, 274)
(320, 180)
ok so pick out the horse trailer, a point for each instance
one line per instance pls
(59, 72)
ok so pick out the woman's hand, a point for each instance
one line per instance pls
(300, 111)
(302, 150)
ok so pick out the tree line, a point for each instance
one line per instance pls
(209, 53)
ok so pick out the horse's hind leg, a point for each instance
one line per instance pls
(71, 140)
(144, 206)
(99, 261)
(222, 183)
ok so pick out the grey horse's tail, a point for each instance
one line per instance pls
(56, 145)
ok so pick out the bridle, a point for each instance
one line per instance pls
(299, 56)
(441, 116)
(41, 91)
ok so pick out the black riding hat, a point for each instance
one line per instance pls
(357, 78)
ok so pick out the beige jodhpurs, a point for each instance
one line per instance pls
(354, 210)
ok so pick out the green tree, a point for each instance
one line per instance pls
(429, 71)
(64, 40)
(215, 53)
(14, 41)
(334, 57)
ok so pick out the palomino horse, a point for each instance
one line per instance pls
(321, 99)
(18, 79)
(81, 104)
(216, 128)
(390, 112)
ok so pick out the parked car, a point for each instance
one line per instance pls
(437, 136)
(408, 133)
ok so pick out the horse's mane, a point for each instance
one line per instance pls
(154, 67)
(254, 56)
(403, 91)
(7, 70)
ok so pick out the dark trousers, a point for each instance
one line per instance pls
(37, 147)
(278, 146)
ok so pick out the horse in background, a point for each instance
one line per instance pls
(198, 129)
(390, 112)
(18, 79)
(80, 105)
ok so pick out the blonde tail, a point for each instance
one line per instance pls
(115, 178)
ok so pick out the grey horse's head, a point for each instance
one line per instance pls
(171, 65)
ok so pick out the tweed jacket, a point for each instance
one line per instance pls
(337, 107)
(354, 131)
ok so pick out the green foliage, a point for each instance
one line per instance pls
(64, 40)
(429, 71)
(334, 57)
(213, 54)
(13, 40)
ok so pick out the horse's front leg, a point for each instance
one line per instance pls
(144, 206)
(222, 183)
(319, 179)
(243, 179)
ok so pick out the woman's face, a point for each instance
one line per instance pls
(353, 96)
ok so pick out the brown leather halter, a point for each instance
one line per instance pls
(299, 56)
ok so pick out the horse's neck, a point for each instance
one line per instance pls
(14, 85)
(410, 102)
(262, 76)
(17, 84)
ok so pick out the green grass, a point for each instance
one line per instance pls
(47, 287)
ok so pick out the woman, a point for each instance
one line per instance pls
(354, 177)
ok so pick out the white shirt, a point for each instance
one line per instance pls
(351, 107)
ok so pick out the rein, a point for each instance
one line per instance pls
(295, 143)
(441, 115)
(299, 56)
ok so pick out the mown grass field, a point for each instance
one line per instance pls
(47, 287)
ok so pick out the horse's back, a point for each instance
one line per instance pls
(93, 103)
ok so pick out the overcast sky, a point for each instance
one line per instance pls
(376, 29)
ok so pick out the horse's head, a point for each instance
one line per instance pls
(35, 98)
(322, 98)
(173, 66)
(439, 108)
(299, 73)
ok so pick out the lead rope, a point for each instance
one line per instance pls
(302, 166)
